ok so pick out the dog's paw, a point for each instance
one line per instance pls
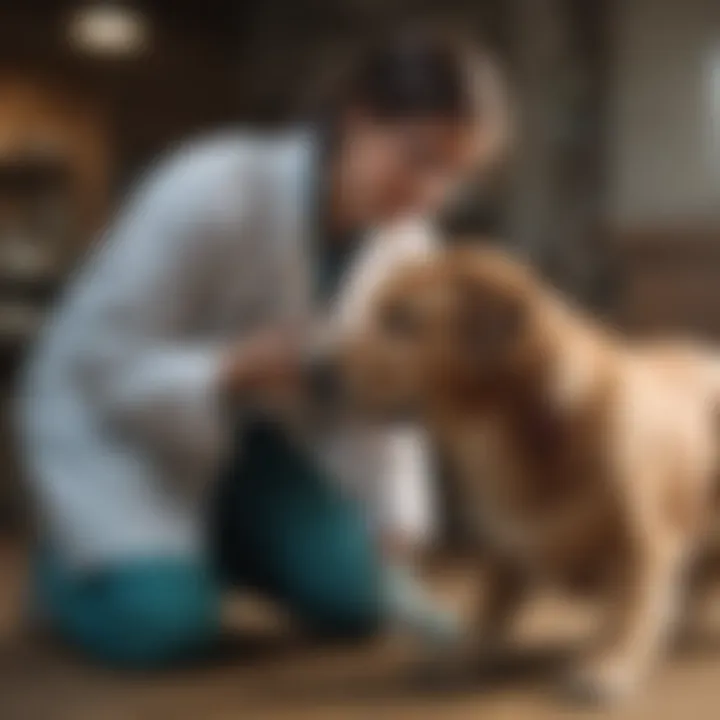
(600, 681)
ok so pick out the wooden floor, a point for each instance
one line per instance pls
(266, 672)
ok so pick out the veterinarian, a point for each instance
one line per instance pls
(155, 487)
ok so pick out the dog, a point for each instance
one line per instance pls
(585, 460)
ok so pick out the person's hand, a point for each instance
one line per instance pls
(265, 362)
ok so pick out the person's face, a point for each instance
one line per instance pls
(393, 169)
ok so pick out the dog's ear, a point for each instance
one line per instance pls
(490, 323)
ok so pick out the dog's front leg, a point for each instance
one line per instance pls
(640, 614)
(504, 587)
(501, 591)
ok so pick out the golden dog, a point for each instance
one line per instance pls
(585, 460)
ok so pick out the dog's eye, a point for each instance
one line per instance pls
(400, 321)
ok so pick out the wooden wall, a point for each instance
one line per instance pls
(42, 119)
(669, 280)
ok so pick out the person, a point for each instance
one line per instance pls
(155, 485)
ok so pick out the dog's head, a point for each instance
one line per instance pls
(458, 327)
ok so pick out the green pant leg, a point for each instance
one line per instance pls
(137, 614)
(285, 529)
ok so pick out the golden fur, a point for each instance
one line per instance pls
(582, 459)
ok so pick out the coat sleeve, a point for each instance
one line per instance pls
(144, 365)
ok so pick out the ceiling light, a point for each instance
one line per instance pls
(108, 28)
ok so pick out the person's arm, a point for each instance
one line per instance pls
(144, 365)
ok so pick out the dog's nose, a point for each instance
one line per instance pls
(323, 381)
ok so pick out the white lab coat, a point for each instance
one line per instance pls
(122, 424)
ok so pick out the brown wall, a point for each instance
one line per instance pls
(39, 118)
(669, 280)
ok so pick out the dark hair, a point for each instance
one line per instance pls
(411, 74)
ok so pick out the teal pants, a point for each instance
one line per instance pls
(278, 527)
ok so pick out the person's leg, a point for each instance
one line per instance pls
(286, 530)
(139, 614)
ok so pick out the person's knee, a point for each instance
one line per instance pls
(150, 616)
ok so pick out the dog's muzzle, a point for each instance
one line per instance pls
(323, 383)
